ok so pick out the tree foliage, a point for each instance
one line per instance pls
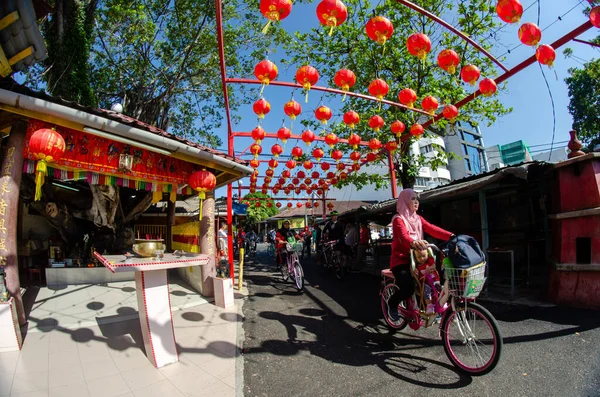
(584, 95)
(255, 214)
(349, 47)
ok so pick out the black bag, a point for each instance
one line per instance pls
(464, 251)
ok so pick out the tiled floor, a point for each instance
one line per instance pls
(101, 353)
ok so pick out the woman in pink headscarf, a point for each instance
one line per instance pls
(408, 228)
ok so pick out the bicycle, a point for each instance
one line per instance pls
(271, 249)
(293, 267)
(462, 322)
(330, 258)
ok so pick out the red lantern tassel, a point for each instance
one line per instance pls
(266, 28)
(41, 170)
(201, 197)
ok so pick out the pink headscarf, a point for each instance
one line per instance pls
(412, 221)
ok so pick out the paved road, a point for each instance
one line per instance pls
(330, 340)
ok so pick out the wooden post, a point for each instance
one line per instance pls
(207, 244)
(10, 181)
(170, 222)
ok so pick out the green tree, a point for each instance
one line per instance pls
(584, 105)
(350, 48)
(256, 214)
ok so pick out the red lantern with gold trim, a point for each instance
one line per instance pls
(273, 163)
(407, 97)
(595, 16)
(318, 154)
(289, 204)
(269, 204)
(296, 152)
(254, 163)
(354, 140)
(308, 137)
(430, 104)
(299, 204)
(379, 29)
(351, 118)
(316, 204)
(545, 55)
(418, 45)
(371, 157)
(448, 60)
(308, 205)
(278, 204)
(255, 149)
(344, 79)
(337, 155)
(510, 11)
(308, 164)
(296, 181)
(291, 164)
(355, 156)
(202, 182)
(307, 76)
(46, 146)
(355, 167)
(398, 127)
(376, 122)
(261, 107)
(340, 166)
(392, 146)
(258, 134)
(331, 139)
(300, 174)
(450, 112)
(331, 13)
(325, 166)
(276, 150)
(274, 11)
(292, 109)
(487, 87)
(331, 174)
(330, 205)
(266, 71)
(470, 74)
(417, 130)
(315, 175)
(374, 144)
(379, 88)
(530, 34)
(285, 174)
(269, 172)
(323, 113)
(284, 134)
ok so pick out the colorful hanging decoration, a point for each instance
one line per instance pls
(278, 204)
(203, 182)
(376, 122)
(284, 134)
(261, 108)
(331, 13)
(285, 174)
(47, 146)
(418, 45)
(308, 137)
(448, 60)
(292, 109)
(265, 71)
(289, 204)
(276, 150)
(530, 34)
(354, 156)
(351, 118)
(307, 76)
(325, 166)
(379, 89)
(291, 164)
(595, 16)
(450, 112)
(254, 163)
(470, 74)
(315, 175)
(407, 97)
(331, 174)
(545, 55)
(391, 146)
(269, 204)
(307, 165)
(255, 149)
(354, 141)
(299, 204)
(273, 163)
(344, 79)
(510, 11)
(297, 152)
(316, 204)
(258, 134)
(379, 29)
(374, 144)
(398, 128)
(323, 114)
(274, 11)
(269, 172)
(331, 139)
(340, 166)
(300, 174)
(330, 205)
(417, 130)
(308, 205)
(318, 154)
(487, 87)
(337, 155)
(371, 156)
(429, 104)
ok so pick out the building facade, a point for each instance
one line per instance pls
(510, 154)
(429, 178)
(466, 142)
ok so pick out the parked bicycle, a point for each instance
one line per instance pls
(469, 332)
(331, 259)
(292, 267)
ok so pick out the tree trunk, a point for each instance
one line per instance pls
(12, 169)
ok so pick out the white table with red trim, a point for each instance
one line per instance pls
(154, 302)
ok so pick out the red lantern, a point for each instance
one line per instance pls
(261, 107)
(331, 139)
(308, 164)
(315, 175)
(291, 186)
(291, 164)
(354, 140)
(289, 205)
(274, 11)
(510, 11)
(318, 154)
(371, 157)
(417, 130)
(269, 173)
(296, 181)
(448, 60)
(254, 163)
(268, 179)
(374, 144)
(407, 97)
(343, 175)
(299, 204)
(273, 163)
(379, 29)
(429, 104)
(292, 109)
(325, 166)
(340, 166)
(487, 87)
(331, 13)
(300, 174)
(355, 167)
(258, 134)
(296, 152)
(314, 186)
(595, 16)
(278, 204)
(308, 205)
(470, 74)
(391, 146)
(344, 79)
(323, 113)
(307, 76)
(276, 150)
(316, 204)
(376, 122)
(351, 118)
(254, 176)
(308, 137)
(419, 45)
(257, 204)
(266, 71)
(285, 174)
(269, 204)
(450, 112)
(398, 127)
(545, 55)
(202, 181)
(284, 134)
(337, 155)
(378, 88)
(255, 149)
(331, 174)
(47, 146)
(334, 181)
(355, 156)
(530, 34)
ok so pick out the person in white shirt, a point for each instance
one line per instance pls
(222, 238)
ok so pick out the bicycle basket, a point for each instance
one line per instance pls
(466, 283)
(298, 247)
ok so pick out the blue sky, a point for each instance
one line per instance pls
(531, 120)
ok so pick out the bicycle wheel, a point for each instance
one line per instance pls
(284, 271)
(472, 339)
(388, 291)
(298, 276)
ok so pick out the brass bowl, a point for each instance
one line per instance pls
(148, 248)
